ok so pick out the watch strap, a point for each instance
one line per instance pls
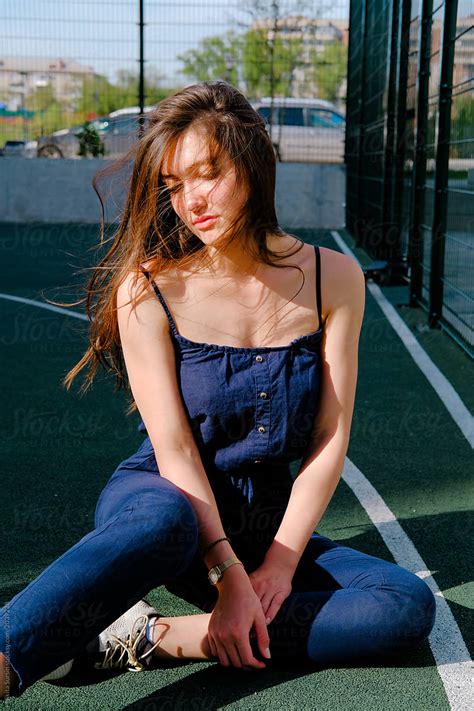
(227, 563)
(219, 569)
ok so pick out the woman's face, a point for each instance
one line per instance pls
(207, 199)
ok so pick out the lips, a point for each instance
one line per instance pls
(204, 219)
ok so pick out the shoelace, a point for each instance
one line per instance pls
(124, 653)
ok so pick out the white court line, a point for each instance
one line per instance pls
(452, 658)
(440, 384)
(446, 642)
(41, 305)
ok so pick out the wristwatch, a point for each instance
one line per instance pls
(215, 573)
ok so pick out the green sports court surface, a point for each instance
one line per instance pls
(406, 493)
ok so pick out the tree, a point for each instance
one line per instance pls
(214, 58)
(90, 141)
(246, 60)
(283, 27)
(98, 96)
(462, 123)
(328, 70)
(41, 98)
(154, 92)
(48, 111)
(268, 65)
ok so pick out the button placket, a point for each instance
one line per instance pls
(263, 403)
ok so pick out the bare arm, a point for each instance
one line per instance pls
(323, 463)
(150, 361)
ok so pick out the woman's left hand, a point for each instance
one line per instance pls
(272, 584)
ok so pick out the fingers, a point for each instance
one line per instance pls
(266, 600)
(222, 655)
(233, 654)
(212, 645)
(274, 606)
(237, 653)
(263, 638)
(247, 656)
(218, 650)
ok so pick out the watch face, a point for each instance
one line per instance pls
(214, 576)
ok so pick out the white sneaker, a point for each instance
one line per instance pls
(124, 645)
(58, 673)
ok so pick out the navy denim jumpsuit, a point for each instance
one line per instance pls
(251, 411)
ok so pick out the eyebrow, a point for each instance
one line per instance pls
(194, 165)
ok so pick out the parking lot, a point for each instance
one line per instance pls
(302, 130)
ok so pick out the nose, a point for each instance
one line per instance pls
(194, 197)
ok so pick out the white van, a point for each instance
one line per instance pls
(304, 130)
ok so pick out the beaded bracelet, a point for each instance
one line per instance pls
(208, 548)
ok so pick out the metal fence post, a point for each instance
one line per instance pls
(442, 166)
(389, 222)
(141, 65)
(353, 145)
(361, 230)
(398, 265)
(415, 244)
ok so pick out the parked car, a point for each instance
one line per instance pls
(118, 130)
(304, 130)
(25, 149)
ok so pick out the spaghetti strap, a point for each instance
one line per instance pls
(162, 300)
(318, 284)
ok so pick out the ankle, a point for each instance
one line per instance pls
(157, 629)
(183, 637)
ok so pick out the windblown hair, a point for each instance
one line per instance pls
(149, 230)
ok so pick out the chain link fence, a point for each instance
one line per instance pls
(410, 150)
(76, 76)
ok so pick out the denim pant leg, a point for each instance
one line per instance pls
(346, 606)
(146, 530)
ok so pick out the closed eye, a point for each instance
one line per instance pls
(212, 175)
(208, 176)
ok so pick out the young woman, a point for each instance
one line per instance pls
(239, 343)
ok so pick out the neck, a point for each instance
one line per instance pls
(234, 261)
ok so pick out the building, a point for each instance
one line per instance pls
(315, 34)
(19, 76)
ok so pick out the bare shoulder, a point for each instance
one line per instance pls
(343, 287)
(136, 298)
(342, 281)
(150, 362)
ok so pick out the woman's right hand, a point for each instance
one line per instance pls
(237, 610)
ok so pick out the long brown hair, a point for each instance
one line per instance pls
(150, 231)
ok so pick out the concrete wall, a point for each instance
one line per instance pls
(308, 195)
(311, 195)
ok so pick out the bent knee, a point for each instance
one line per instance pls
(424, 607)
(165, 526)
(415, 611)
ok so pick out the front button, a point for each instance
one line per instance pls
(258, 358)
(263, 395)
(261, 428)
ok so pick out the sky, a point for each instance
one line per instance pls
(104, 33)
